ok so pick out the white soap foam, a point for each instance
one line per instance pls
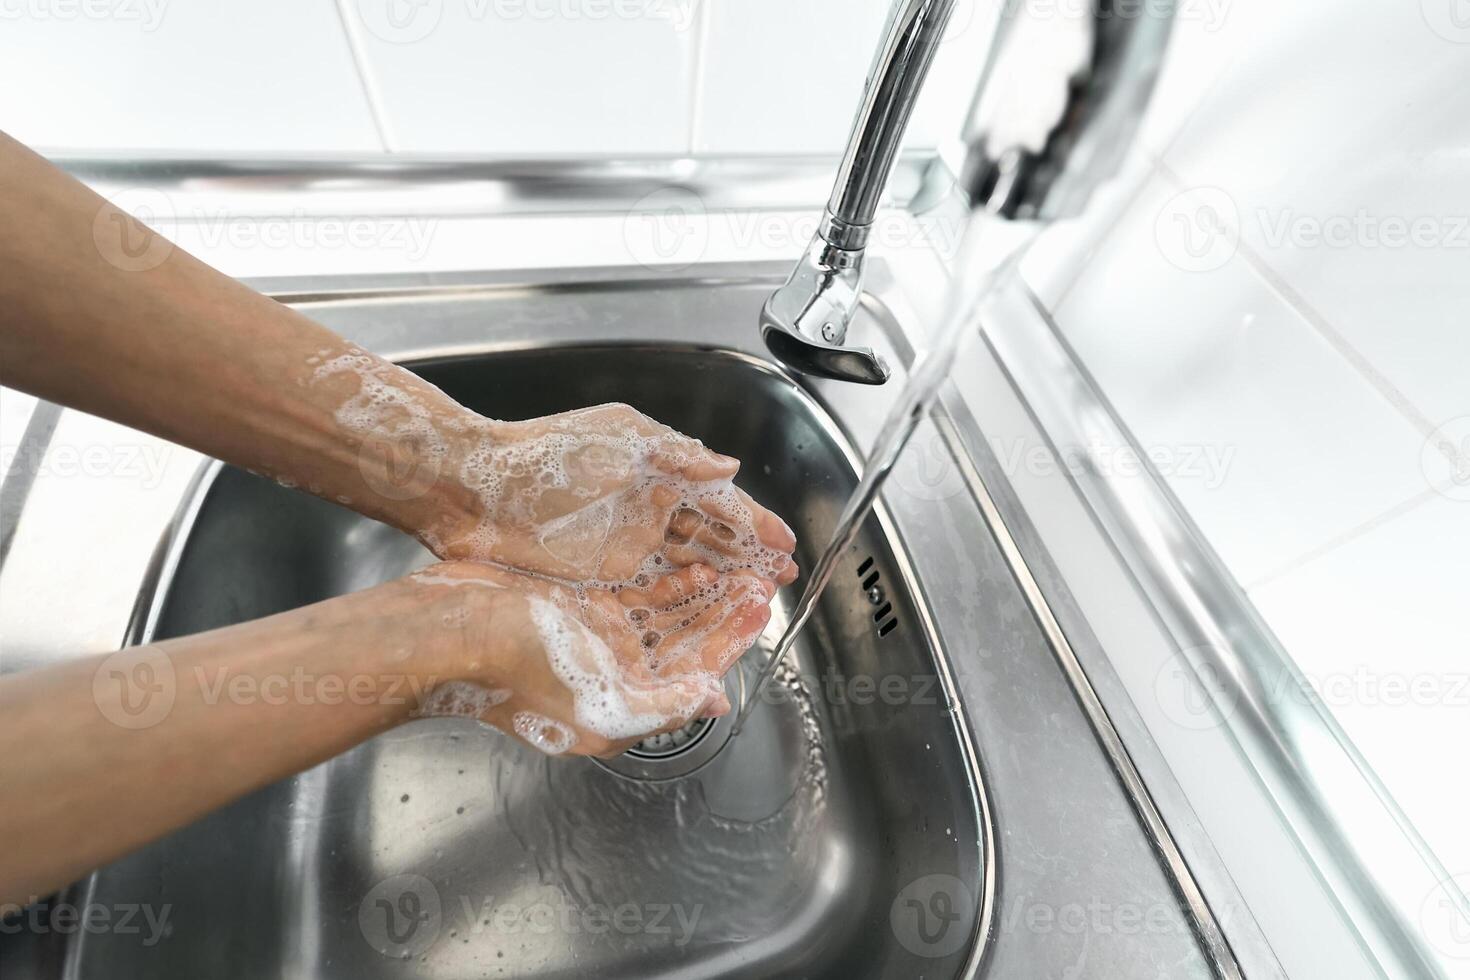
(461, 699)
(592, 455)
(426, 576)
(388, 399)
(546, 734)
(590, 671)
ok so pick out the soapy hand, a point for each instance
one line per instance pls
(585, 670)
(605, 495)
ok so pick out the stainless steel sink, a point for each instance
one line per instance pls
(847, 832)
(444, 849)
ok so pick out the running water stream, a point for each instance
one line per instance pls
(928, 373)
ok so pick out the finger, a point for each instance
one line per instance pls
(739, 635)
(777, 567)
(788, 572)
(674, 701)
(684, 623)
(738, 509)
(690, 459)
(769, 528)
(642, 534)
(684, 524)
(719, 637)
(671, 589)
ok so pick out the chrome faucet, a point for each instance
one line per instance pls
(805, 322)
(1059, 102)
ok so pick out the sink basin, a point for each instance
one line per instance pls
(444, 849)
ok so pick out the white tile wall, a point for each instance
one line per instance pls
(786, 75)
(181, 75)
(517, 77)
(1323, 365)
(1292, 446)
(1369, 142)
(1379, 625)
(781, 76)
(506, 77)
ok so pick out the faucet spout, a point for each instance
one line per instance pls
(805, 323)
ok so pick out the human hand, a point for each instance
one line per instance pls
(583, 670)
(604, 495)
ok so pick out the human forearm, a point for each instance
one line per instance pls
(109, 753)
(120, 750)
(155, 339)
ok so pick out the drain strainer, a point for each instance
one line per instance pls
(673, 755)
(666, 745)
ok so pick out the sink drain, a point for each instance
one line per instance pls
(673, 755)
(666, 745)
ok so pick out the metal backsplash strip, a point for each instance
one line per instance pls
(444, 186)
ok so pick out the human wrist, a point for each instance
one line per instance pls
(430, 492)
(454, 624)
